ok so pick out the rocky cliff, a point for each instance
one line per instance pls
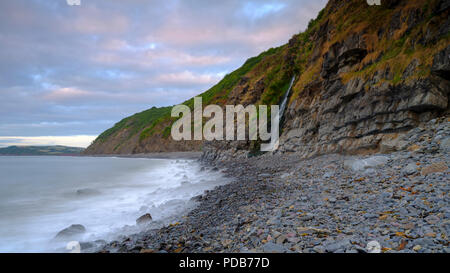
(377, 81)
(365, 75)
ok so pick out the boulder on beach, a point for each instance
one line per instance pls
(71, 231)
(144, 219)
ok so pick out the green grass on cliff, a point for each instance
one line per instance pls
(216, 94)
(389, 48)
(135, 123)
(231, 80)
(146, 122)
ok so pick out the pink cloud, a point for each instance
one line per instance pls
(187, 77)
(91, 20)
(193, 35)
(66, 93)
(117, 53)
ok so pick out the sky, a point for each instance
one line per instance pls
(69, 72)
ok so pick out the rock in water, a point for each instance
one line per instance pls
(86, 192)
(71, 231)
(144, 219)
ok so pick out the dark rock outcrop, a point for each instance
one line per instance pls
(362, 100)
(87, 192)
(70, 232)
(144, 219)
(364, 75)
(441, 64)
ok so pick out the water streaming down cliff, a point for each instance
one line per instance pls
(365, 76)
(285, 99)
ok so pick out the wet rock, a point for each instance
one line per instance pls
(144, 219)
(72, 231)
(441, 64)
(87, 245)
(87, 192)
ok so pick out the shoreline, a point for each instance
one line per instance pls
(266, 209)
(162, 155)
(281, 203)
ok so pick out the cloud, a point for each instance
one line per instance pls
(90, 19)
(66, 93)
(256, 11)
(182, 58)
(76, 70)
(189, 78)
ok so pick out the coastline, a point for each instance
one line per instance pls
(162, 155)
(281, 203)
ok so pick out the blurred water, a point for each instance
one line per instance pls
(39, 196)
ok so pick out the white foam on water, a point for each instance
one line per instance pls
(39, 196)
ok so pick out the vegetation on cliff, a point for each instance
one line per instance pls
(349, 45)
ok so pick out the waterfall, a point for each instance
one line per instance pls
(285, 99)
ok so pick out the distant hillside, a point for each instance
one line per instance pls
(40, 150)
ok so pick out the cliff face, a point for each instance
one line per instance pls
(369, 75)
(365, 75)
(377, 80)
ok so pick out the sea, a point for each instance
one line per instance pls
(42, 195)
